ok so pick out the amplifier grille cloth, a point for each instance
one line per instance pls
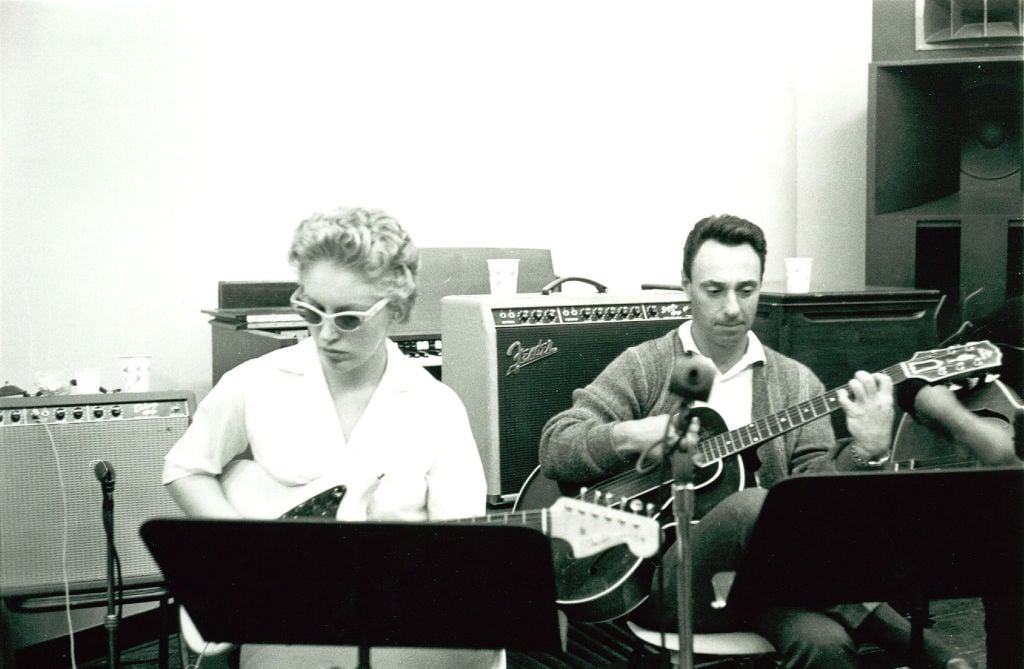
(31, 515)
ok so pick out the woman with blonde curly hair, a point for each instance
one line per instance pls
(343, 407)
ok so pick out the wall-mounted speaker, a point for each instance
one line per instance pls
(51, 523)
(933, 30)
(990, 148)
(945, 181)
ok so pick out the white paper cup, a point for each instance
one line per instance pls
(504, 274)
(798, 274)
(135, 373)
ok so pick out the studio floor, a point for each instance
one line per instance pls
(960, 621)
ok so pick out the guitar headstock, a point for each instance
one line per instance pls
(954, 362)
(591, 528)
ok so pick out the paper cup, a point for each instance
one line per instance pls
(798, 274)
(135, 373)
(504, 274)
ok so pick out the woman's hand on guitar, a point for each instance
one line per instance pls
(870, 411)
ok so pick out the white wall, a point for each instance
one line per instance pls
(151, 149)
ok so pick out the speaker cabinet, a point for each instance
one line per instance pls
(515, 360)
(945, 197)
(51, 521)
(932, 30)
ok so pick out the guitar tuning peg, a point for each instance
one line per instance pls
(636, 506)
(583, 492)
(649, 509)
(989, 378)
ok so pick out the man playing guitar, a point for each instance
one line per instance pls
(626, 410)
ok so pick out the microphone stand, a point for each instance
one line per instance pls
(111, 621)
(692, 378)
(681, 459)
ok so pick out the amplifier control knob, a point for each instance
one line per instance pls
(77, 413)
(586, 312)
(621, 312)
(550, 315)
(97, 412)
(652, 311)
(523, 315)
(636, 311)
(598, 313)
(60, 414)
(15, 416)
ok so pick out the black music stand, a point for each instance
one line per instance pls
(887, 536)
(360, 584)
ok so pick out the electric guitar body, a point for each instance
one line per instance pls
(919, 447)
(583, 528)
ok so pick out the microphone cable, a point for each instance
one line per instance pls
(64, 542)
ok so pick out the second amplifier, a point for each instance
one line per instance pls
(515, 360)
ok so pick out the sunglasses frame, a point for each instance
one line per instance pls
(362, 316)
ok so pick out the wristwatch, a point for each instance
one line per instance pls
(860, 461)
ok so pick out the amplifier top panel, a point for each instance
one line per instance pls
(526, 309)
(57, 409)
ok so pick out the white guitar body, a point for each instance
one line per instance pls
(257, 495)
(588, 528)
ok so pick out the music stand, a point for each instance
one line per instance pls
(887, 536)
(360, 584)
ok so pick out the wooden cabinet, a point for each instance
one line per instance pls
(836, 333)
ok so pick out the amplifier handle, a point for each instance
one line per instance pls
(556, 285)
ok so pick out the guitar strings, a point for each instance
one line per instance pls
(632, 484)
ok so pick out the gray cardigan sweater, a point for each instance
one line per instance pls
(576, 444)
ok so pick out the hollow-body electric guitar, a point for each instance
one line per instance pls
(588, 528)
(614, 582)
(919, 447)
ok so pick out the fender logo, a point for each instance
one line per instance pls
(521, 357)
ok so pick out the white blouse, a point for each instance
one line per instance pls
(410, 457)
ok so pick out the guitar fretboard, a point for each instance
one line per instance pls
(931, 366)
(537, 519)
(725, 444)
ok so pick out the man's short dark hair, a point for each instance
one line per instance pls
(725, 229)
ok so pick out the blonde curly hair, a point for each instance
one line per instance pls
(366, 240)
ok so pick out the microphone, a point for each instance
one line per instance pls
(692, 377)
(104, 472)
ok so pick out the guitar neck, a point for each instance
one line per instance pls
(537, 519)
(729, 443)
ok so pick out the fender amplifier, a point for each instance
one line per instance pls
(515, 360)
(51, 522)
